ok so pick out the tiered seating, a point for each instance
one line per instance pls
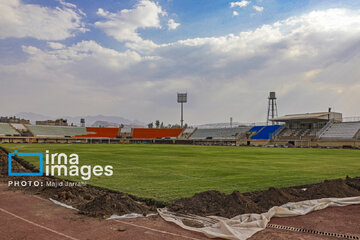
(287, 132)
(56, 131)
(7, 130)
(255, 128)
(153, 133)
(345, 130)
(187, 133)
(97, 132)
(218, 133)
(19, 126)
(267, 132)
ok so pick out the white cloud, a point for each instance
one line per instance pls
(124, 25)
(241, 4)
(235, 13)
(56, 45)
(172, 24)
(310, 60)
(19, 20)
(84, 51)
(258, 8)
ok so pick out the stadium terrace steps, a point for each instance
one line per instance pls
(187, 133)
(344, 130)
(267, 132)
(218, 133)
(56, 131)
(153, 133)
(188, 130)
(286, 132)
(19, 126)
(7, 130)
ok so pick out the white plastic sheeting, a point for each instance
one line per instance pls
(62, 204)
(243, 226)
(130, 215)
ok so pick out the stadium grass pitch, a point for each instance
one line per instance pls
(168, 172)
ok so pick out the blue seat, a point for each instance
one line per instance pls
(267, 132)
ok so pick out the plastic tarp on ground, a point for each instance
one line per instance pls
(243, 226)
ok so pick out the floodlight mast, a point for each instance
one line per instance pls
(182, 98)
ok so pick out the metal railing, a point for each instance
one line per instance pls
(351, 119)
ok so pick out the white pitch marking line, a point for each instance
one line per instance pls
(38, 225)
(156, 230)
(47, 200)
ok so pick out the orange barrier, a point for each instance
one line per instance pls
(96, 132)
(153, 133)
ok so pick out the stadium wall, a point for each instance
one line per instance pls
(153, 133)
(97, 132)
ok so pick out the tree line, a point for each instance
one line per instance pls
(159, 124)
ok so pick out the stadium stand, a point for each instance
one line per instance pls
(97, 132)
(218, 133)
(7, 130)
(154, 133)
(125, 132)
(255, 129)
(56, 131)
(344, 130)
(267, 132)
(186, 134)
(21, 129)
(287, 132)
(18, 126)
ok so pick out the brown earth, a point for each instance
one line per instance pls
(99, 202)
(220, 204)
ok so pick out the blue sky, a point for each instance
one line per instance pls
(129, 58)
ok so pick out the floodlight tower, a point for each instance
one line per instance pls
(272, 108)
(182, 98)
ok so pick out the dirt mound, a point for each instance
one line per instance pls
(114, 203)
(215, 203)
(275, 197)
(331, 188)
(353, 182)
(219, 204)
(15, 165)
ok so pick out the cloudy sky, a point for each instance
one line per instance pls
(130, 58)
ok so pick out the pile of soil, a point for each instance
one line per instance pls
(353, 182)
(114, 203)
(214, 203)
(15, 165)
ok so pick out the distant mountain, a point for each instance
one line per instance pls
(33, 117)
(89, 120)
(105, 124)
(111, 124)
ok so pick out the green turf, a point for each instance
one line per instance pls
(166, 172)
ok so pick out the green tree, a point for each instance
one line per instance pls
(157, 123)
(151, 125)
